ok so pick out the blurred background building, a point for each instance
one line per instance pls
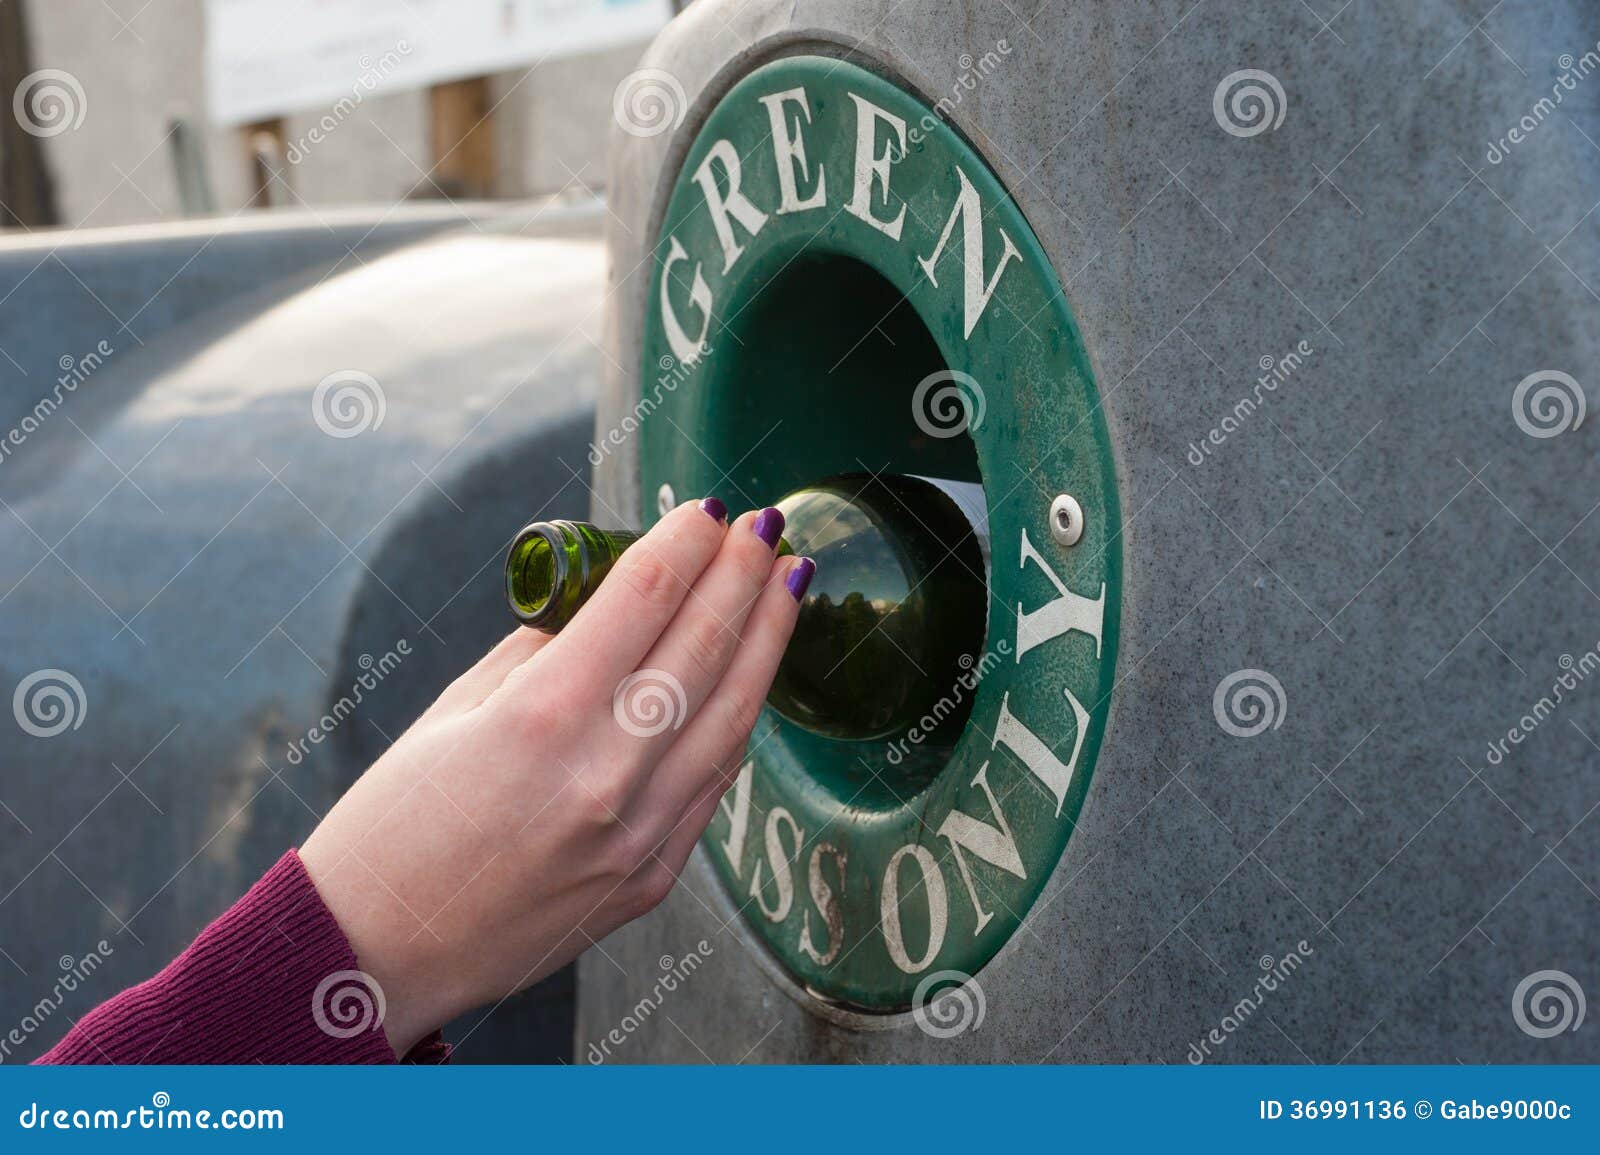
(130, 111)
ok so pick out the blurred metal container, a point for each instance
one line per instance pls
(260, 470)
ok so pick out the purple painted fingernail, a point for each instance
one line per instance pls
(768, 526)
(800, 577)
(715, 509)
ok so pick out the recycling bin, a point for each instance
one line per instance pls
(323, 434)
(1234, 322)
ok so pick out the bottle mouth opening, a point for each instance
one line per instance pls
(532, 574)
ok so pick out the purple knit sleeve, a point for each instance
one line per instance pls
(274, 980)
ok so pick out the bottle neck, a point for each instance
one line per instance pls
(553, 567)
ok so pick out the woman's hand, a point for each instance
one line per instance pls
(555, 790)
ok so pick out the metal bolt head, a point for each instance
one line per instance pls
(666, 500)
(1066, 520)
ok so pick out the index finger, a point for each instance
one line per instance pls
(614, 630)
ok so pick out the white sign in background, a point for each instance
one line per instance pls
(265, 58)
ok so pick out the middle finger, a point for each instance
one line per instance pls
(695, 649)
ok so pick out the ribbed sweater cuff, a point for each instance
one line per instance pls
(274, 980)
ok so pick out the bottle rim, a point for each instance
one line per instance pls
(537, 544)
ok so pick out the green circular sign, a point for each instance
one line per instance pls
(841, 284)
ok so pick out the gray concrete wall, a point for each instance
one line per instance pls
(1385, 539)
(143, 65)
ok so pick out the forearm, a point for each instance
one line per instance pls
(564, 821)
(261, 984)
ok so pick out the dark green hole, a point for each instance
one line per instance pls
(815, 376)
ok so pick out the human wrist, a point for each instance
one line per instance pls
(408, 967)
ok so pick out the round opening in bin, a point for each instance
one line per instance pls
(883, 307)
(822, 368)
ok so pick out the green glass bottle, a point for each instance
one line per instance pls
(893, 619)
(554, 566)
